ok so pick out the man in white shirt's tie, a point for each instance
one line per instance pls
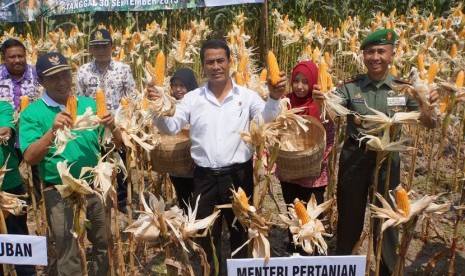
(217, 113)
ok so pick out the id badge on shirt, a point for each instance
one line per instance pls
(396, 101)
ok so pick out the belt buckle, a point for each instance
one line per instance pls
(215, 172)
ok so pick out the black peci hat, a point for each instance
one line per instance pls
(100, 37)
(51, 63)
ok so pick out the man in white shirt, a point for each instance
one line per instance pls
(217, 113)
(116, 80)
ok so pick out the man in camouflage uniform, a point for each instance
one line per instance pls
(375, 89)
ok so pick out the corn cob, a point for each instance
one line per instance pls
(421, 63)
(453, 51)
(316, 54)
(301, 212)
(273, 68)
(393, 70)
(444, 103)
(244, 200)
(448, 23)
(322, 76)
(308, 51)
(329, 80)
(160, 68)
(403, 203)
(144, 105)
(246, 79)
(327, 58)
(71, 107)
(124, 103)
(459, 79)
(24, 102)
(242, 64)
(101, 102)
(239, 79)
(352, 44)
(432, 72)
(121, 55)
(263, 75)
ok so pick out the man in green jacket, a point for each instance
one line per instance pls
(12, 182)
(375, 89)
(38, 126)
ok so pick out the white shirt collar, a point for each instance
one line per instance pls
(50, 102)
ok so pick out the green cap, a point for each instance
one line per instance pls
(379, 37)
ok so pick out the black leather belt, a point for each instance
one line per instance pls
(223, 170)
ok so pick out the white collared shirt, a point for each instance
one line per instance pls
(215, 128)
(116, 81)
(50, 102)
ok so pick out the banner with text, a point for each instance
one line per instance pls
(299, 265)
(28, 10)
(23, 249)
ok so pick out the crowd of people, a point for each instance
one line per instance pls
(216, 112)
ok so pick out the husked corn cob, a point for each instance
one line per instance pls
(24, 102)
(459, 79)
(273, 68)
(394, 70)
(242, 64)
(71, 107)
(322, 76)
(329, 81)
(121, 55)
(421, 63)
(160, 68)
(453, 51)
(444, 103)
(124, 103)
(403, 203)
(316, 54)
(263, 75)
(244, 200)
(239, 79)
(144, 105)
(101, 102)
(301, 211)
(432, 72)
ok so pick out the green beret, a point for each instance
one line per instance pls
(379, 37)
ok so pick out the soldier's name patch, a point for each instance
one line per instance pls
(396, 101)
(358, 101)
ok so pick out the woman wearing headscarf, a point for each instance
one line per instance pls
(304, 76)
(182, 82)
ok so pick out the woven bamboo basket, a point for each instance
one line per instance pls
(172, 154)
(306, 160)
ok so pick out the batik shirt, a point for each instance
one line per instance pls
(11, 90)
(116, 81)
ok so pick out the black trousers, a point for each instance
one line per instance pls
(356, 172)
(17, 225)
(292, 191)
(215, 190)
(183, 186)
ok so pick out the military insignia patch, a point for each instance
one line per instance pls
(389, 36)
(55, 60)
(98, 35)
(358, 98)
(391, 93)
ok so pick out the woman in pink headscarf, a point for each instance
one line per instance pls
(304, 76)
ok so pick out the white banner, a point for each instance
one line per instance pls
(299, 265)
(23, 249)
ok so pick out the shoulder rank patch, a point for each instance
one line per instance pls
(353, 79)
(402, 81)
